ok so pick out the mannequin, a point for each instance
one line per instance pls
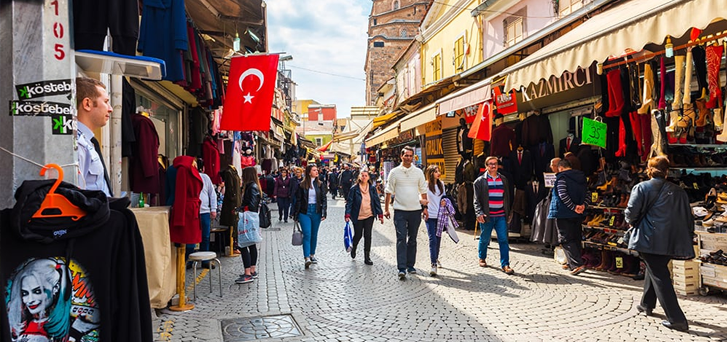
(503, 138)
(520, 166)
(569, 144)
(464, 143)
(464, 177)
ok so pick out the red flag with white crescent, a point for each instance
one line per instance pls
(482, 126)
(250, 93)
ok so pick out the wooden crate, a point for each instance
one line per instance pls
(686, 292)
(712, 242)
(713, 275)
(688, 285)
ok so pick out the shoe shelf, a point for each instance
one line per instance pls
(699, 168)
(606, 208)
(601, 246)
(723, 146)
(606, 229)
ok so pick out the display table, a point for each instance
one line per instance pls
(159, 253)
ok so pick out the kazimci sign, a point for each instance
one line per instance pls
(569, 86)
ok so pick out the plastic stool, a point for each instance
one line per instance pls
(199, 257)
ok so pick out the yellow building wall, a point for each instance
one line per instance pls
(324, 137)
(442, 41)
(301, 107)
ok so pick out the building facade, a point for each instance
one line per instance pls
(393, 24)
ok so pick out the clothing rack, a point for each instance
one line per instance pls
(697, 41)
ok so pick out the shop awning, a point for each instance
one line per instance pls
(474, 94)
(307, 143)
(419, 117)
(345, 136)
(381, 120)
(388, 133)
(631, 24)
(325, 147)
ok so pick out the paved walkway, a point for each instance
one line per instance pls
(344, 300)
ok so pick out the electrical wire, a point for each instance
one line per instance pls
(326, 73)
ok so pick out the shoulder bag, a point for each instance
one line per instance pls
(297, 239)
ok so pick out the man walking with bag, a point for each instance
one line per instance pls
(406, 182)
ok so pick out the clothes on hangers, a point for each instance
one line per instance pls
(91, 271)
(144, 175)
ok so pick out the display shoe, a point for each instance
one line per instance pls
(673, 118)
(605, 185)
(624, 201)
(606, 261)
(596, 219)
(717, 119)
(722, 137)
(701, 114)
(594, 261)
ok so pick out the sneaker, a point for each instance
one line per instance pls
(433, 271)
(313, 260)
(307, 262)
(411, 270)
(244, 279)
(439, 264)
(254, 275)
(402, 275)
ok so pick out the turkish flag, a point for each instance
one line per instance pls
(250, 92)
(482, 126)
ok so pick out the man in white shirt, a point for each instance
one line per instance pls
(406, 182)
(92, 103)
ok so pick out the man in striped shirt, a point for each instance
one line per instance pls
(492, 203)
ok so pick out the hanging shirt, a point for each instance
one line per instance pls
(89, 162)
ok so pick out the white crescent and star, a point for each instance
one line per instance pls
(251, 72)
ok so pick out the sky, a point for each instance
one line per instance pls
(324, 37)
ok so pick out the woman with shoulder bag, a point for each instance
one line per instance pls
(660, 213)
(309, 210)
(362, 206)
(251, 198)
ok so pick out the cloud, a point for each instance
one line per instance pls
(328, 36)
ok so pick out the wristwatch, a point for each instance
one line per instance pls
(424, 207)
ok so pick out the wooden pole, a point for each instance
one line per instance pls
(181, 276)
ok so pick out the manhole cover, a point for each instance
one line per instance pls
(256, 328)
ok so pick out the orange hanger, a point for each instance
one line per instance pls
(56, 202)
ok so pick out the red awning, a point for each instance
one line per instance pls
(325, 147)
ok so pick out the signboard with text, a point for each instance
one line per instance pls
(570, 86)
(594, 133)
(433, 147)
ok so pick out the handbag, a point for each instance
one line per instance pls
(297, 239)
(347, 237)
(629, 232)
(265, 220)
(248, 229)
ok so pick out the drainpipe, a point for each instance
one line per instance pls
(114, 164)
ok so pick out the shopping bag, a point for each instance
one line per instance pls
(347, 237)
(297, 239)
(248, 229)
(265, 220)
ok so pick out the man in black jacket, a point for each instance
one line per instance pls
(345, 180)
(333, 182)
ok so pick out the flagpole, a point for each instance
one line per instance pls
(237, 54)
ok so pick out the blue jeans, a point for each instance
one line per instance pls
(204, 220)
(500, 225)
(434, 240)
(283, 207)
(309, 224)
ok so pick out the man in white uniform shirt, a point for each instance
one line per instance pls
(406, 182)
(92, 103)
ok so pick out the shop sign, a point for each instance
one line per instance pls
(594, 133)
(506, 103)
(558, 90)
(405, 136)
(549, 179)
(468, 112)
(39, 108)
(433, 147)
(62, 124)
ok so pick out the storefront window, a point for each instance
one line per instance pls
(166, 122)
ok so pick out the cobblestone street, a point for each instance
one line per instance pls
(343, 300)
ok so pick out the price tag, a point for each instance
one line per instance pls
(594, 197)
(611, 221)
(619, 262)
(696, 187)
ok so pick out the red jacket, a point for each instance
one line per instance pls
(144, 165)
(184, 226)
(211, 156)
